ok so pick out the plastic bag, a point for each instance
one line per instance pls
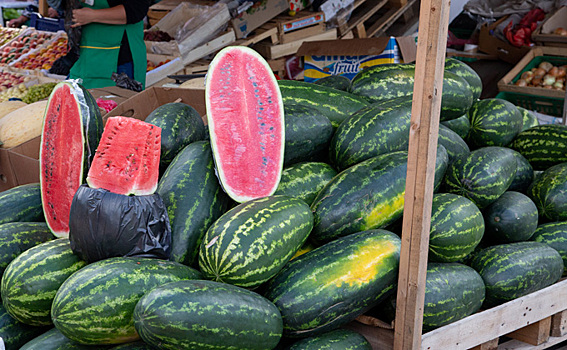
(103, 225)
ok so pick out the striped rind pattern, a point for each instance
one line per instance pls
(343, 339)
(494, 122)
(457, 227)
(54, 340)
(466, 72)
(511, 218)
(554, 234)
(250, 243)
(94, 306)
(31, 280)
(453, 143)
(452, 292)
(335, 104)
(516, 269)
(137, 345)
(382, 127)
(460, 125)
(549, 193)
(333, 284)
(15, 333)
(305, 180)
(207, 315)
(21, 203)
(528, 118)
(543, 145)
(482, 175)
(524, 174)
(307, 133)
(339, 82)
(193, 197)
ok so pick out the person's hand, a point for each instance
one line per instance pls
(52, 13)
(83, 16)
(16, 22)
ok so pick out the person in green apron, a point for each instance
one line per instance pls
(112, 41)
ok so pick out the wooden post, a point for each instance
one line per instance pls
(43, 7)
(431, 46)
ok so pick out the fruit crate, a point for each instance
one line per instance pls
(542, 104)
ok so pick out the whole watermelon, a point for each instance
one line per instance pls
(494, 122)
(549, 193)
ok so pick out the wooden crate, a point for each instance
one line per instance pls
(266, 32)
(272, 52)
(303, 25)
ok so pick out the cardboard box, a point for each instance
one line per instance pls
(490, 44)
(260, 13)
(19, 165)
(543, 35)
(114, 93)
(348, 57)
(172, 67)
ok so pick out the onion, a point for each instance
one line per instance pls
(548, 79)
(549, 87)
(536, 81)
(558, 85)
(545, 66)
(521, 82)
(540, 72)
(553, 71)
(527, 76)
(560, 31)
(561, 72)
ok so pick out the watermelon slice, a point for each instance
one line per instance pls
(246, 123)
(72, 127)
(127, 158)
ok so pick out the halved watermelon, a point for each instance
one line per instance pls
(246, 123)
(72, 127)
(127, 158)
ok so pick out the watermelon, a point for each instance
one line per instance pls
(549, 193)
(543, 145)
(380, 128)
(554, 234)
(31, 280)
(335, 104)
(251, 242)
(15, 333)
(466, 72)
(333, 284)
(127, 158)
(137, 345)
(482, 175)
(511, 218)
(54, 340)
(452, 292)
(339, 82)
(343, 339)
(94, 306)
(194, 199)
(460, 125)
(494, 122)
(457, 226)
(529, 119)
(246, 123)
(516, 269)
(72, 128)
(21, 203)
(524, 174)
(207, 315)
(17, 237)
(307, 133)
(180, 125)
(305, 180)
(452, 142)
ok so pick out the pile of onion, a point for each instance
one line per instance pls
(560, 31)
(546, 76)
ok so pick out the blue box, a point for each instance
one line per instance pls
(47, 24)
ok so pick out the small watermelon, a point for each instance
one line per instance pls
(245, 114)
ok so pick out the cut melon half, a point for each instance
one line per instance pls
(246, 123)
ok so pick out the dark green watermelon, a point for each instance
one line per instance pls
(494, 122)
(529, 119)
(339, 82)
(549, 193)
(54, 340)
(304, 180)
(460, 125)
(554, 234)
(524, 174)
(511, 218)
(15, 333)
(466, 72)
(21, 203)
(543, 145)
(343, 339)
(453, 143)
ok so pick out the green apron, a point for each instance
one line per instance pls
(100, 44)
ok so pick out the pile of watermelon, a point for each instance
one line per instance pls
(285, 213)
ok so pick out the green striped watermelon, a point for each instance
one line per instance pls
(305, 180)
(180, 125)
(250, 243)
(516, 269)
(339, 82)
(466, 72)
(137, 345)
(307, 133)
(494, 122)
(31, 280)
(207, 315)
(15, 333)
(17, 237)
(529, 119)
(54, 340)
(333, 284)
(21, 203)
(382, 127)
(524, 174)
(94, 306)
(452, 142)
(482, 175)
(511, 218)
(554, 234)
(457, 226)
(543, 145)
(549, 193)
(461, 125)
(193, 197)
(335, 104)
(343, 339)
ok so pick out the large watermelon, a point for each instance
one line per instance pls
(453, 143)
(339, 82)
(529, 119)
(305, 180)
(554, 234)
(461, 125)
(511, 218)
(21, 203)
(549, 193)
(343, 339)
(15, 333)
(524, 174)
(71, 131)
(54, 340)
(466, 72)
(543, 145)
(494, 122)
(245, 115)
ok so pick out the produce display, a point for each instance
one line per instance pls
(8, 80)
(44, 57)
(23, 44)
(38, 92)
(284, 248)
(153, 65)
(545, 75)
(156, 35)
(7, 34)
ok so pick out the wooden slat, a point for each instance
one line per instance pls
(209, 47)
(360, 15)
(379, 27)
(490, 345)
(259, 34)
(534, 334)
(519, 345)
(43, 8)
(276, 51)
(426, 107)
(317, 29)
(559, 324)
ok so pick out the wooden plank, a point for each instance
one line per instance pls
(426, 107)
(360, 15)
(263, 32)
(500, 320)
(317, 29)
(386, 21)
(490, 345)
(519, 345)
(276, 51)
(535, 334)
(559, 324)
(43, 8)
(379, 338)
(360, 31)
(209, 47)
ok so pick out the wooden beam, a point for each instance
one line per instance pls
(428, 85)
(43, 7)
(535, 333)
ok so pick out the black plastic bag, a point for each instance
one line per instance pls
(104, 224)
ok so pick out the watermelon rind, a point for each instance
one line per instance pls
(511, 218)
(543, 145)
(554, 234)
(549, 193)
(494, 122)
(15, 333)
(54, 340)
(21, 203)
(345, 339)
(304, 180)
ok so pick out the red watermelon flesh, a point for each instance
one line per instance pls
(246, 123)
(127, 158)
